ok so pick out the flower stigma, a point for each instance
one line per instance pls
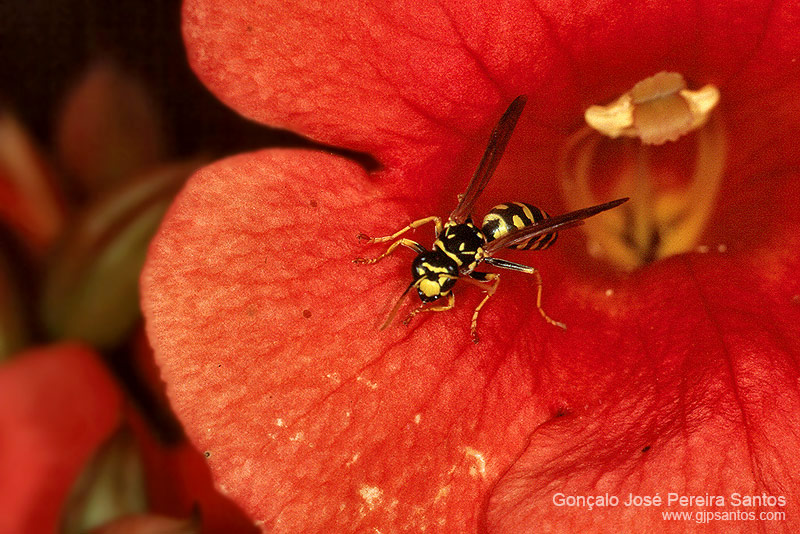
(664, 146)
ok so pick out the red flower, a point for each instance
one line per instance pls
(58, 406)
(679, 379)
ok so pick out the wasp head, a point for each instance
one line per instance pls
(434, 275)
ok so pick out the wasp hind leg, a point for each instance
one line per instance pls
(504, 264)
(488, 282)
(539, 302)
(416, 224)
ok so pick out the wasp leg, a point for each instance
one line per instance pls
(451, 300)
(416, 224)
(539, 301)
(482, 280)
(413, 245)
(497, 262)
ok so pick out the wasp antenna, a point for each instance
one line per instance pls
(397, 305)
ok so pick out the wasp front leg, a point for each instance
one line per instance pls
(451, 300)
(416, 224)
(413, 245)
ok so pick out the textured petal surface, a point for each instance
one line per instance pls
(414, 82)
(700, 397)
(265, 331)
(314, 421)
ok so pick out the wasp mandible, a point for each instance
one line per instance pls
(461, 246)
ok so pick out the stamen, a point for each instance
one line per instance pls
(672, 195)
(658, 109)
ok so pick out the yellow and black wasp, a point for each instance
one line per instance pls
(460, 246)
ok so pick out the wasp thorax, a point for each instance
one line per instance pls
(462, 243)
(435, 274)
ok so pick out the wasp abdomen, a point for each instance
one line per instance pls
(510, 216)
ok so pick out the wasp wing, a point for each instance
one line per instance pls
(552, 224)
(494, 151)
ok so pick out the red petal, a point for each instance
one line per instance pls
(263, 328)
(696, 395)
(178, 480)
(265, 331)
(401, 81)
(695, 391)
(289, 73)
(29, 201)
(57, 405)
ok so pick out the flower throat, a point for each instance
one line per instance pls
(660, 144)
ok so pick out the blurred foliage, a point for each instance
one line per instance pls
(101, 122)
(86, 249)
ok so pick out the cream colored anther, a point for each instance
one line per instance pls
(658, 109)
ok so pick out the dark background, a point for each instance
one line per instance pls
(45, 45)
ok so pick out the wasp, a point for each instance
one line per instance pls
(460, 246)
